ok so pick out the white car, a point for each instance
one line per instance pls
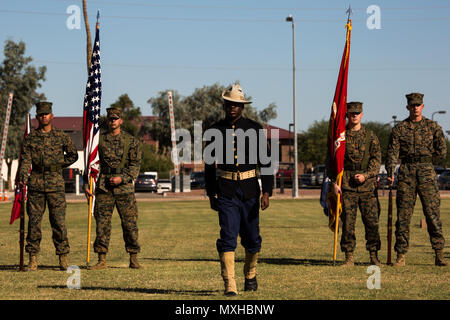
(163, 185)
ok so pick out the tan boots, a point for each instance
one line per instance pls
(63, 264)
(374, 258)
(401, 260)
(134, 264)
(101, 264)
(33, 265)
(440, 260)
(251, 260)
(227, 271)
(349, 260)
(32, 262)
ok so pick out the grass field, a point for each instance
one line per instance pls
(180, 260)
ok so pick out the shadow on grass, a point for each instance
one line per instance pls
(15, 267)
(303, 262)
(277, 261)
(186, 260)
(141, 290)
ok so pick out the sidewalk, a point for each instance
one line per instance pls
(199, 194)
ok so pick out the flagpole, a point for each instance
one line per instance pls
(22, 228)
(341, 174)
(89, 223)
(90, 190)
(336, 222)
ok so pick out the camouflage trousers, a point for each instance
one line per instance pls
(104, 207)
(368, 205)
(418, 179)
(56, 202)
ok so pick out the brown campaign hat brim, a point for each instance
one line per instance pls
(236, 100)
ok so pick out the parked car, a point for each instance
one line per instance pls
(285, 172)
(319, 172)
(145, 182)
(444, 180)
(198, 180)
(439, 171)
(164, 185)
(382, 182)
(307, 179)
(69, 176)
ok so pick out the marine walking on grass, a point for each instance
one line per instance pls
(120, 159)
(46, 151)
(362, 163)
(236, 193)
(419, 143)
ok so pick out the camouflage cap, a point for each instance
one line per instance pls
(414, 98)
(43, 107)
(354, 106)
(114, 112)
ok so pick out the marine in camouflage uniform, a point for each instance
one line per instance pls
(362, 162)
(120, 159)
(418, 142)
(46, 150)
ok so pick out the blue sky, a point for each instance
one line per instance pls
(150, 46)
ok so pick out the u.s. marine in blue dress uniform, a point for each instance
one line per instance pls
(235, 194)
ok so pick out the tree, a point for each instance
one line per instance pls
(23, 79)
(153, 161)
(160, 129)
(382, 131)
(447, 159)
(312, 143)
(132, 115)
(205, 104)
(88, 37)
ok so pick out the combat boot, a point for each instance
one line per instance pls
(349, 261)
(374, 258)
(401, 260)
(251, 259)
(227, 272)
(134, 264)
(32, 263)
(63, 264)
(440, 260)
(101, 264)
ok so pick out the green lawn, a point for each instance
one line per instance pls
(180, 259)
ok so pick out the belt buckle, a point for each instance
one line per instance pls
(238, 175)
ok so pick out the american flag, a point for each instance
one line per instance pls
(91, 114)
(19, 193)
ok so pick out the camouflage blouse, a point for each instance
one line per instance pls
(355, 161)
(111, 149)
(355, 148)
(421, 141)
(46, 153)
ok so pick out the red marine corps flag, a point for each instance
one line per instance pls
(336, 137)
(19, 193)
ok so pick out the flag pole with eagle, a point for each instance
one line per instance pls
(91, 128)
(336, 138)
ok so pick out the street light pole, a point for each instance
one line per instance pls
(295, 177)
(395, 119)
(440, 112)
